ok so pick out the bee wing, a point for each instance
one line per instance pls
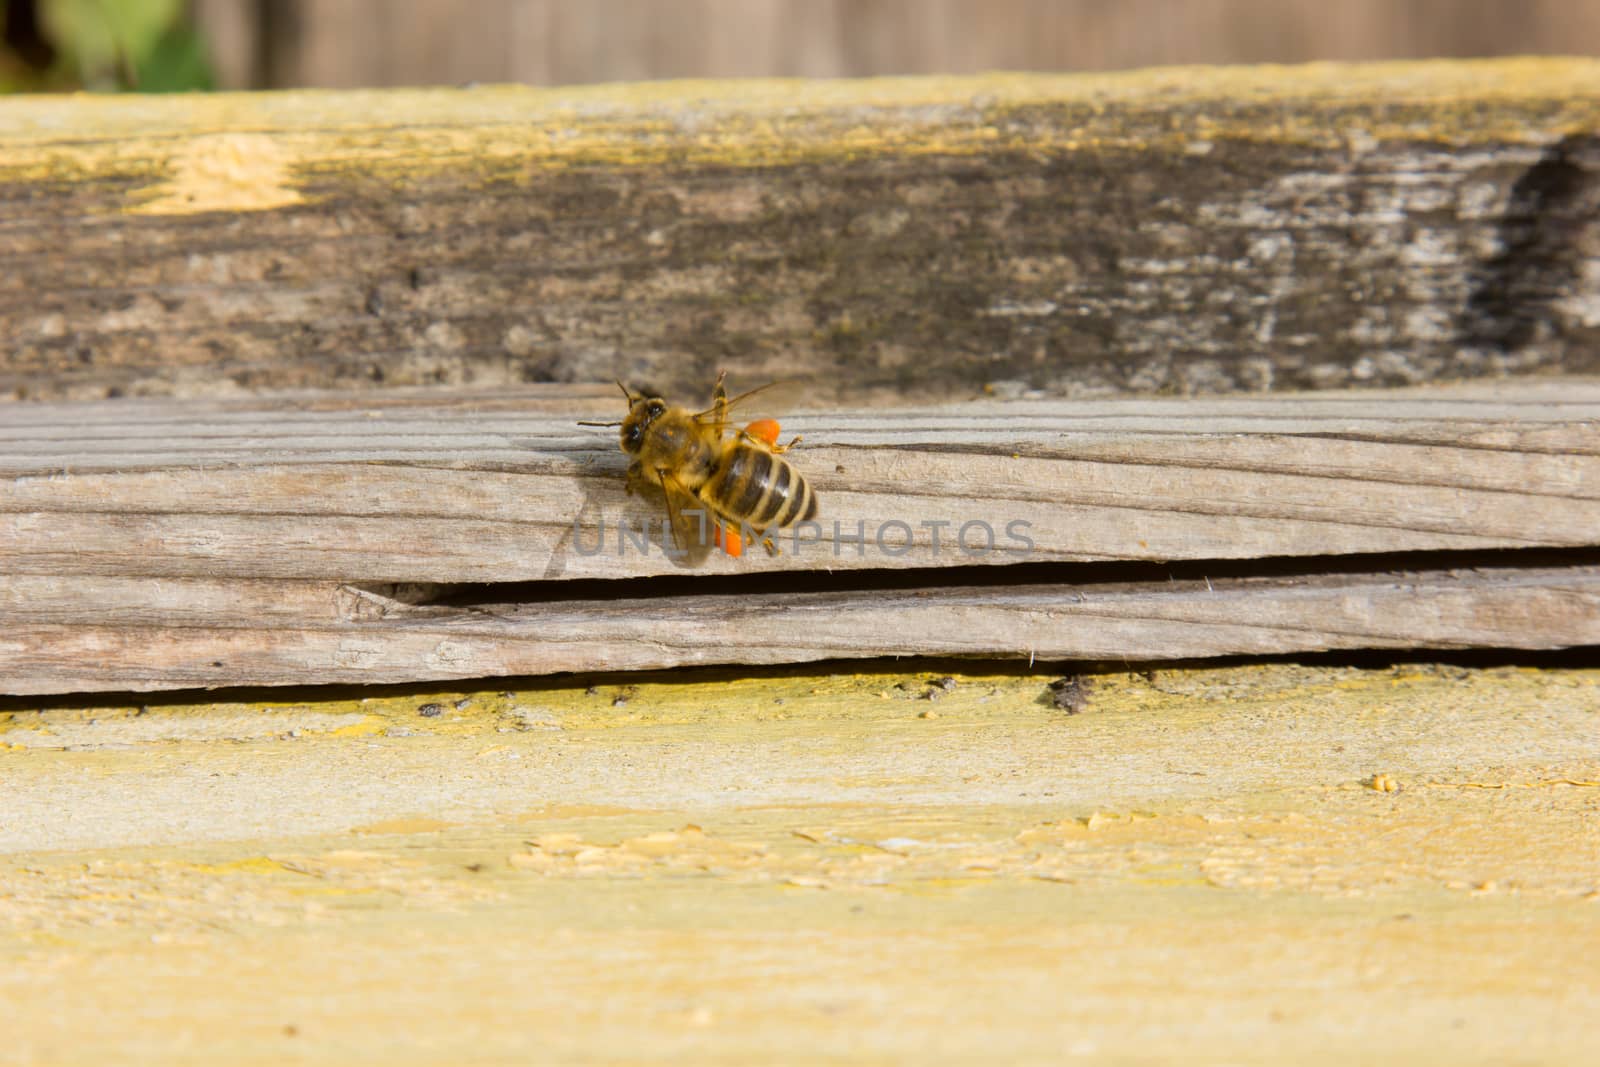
(691, 521)
(783, 385)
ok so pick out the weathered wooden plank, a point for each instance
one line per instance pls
(1159, 231)
(1250, 865)
(155, 544)
(479, 490)
(149, 634)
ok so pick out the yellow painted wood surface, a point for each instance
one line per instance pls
(219, 150)
(1244, 865)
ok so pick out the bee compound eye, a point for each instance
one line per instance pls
(633, 434)
(656, 408)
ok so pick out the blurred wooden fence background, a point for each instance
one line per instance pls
(356, 43)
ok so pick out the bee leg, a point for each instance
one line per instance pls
(772, 548)
(634, 479)
(719, 404)
(764, 431)
(781, 449)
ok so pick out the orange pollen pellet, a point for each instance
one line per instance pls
(764, 430)
(728, 539)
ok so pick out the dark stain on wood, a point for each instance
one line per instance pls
(1547, 232)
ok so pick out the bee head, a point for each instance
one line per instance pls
(642, 411)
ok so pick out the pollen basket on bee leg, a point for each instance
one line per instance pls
(766, 430)
(727, 538)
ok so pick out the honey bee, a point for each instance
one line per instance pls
(737, 478)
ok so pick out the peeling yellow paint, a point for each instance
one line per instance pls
(1516, 785)
(402, 826)
(223, 172)
(247, 865)
(371, 724)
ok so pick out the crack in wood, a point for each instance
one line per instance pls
(1082, 579)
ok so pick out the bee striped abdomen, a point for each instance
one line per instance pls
(754, 486)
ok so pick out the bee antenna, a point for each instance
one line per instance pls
(599, 424)
(625, 392)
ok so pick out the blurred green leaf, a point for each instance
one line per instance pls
(178, 63)
(107, 45)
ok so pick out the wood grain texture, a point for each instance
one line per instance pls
(159, 545)
(499, 488)
(1163, 231)
(64, 635)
